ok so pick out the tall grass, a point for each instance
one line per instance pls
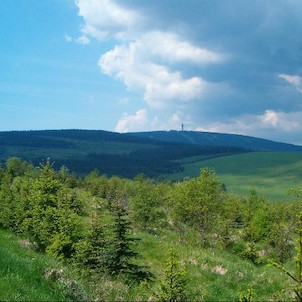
(214, 274)
(26, 275)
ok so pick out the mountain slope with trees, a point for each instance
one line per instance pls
(109, 152)
(218, 139)
(151, 153)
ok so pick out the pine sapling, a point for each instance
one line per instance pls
(174, 283)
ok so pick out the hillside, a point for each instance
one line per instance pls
(111, 153)
(172, 155)
(26, 274)
(272, 174)
(218, 139)
(115, 246)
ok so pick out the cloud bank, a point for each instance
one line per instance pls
(224, 66)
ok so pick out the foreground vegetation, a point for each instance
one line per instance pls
(138, 239)
(26, 275)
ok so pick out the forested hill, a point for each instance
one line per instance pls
(151, 153)
(111, 153)
(218, 139)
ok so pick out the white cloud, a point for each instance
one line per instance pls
(286, 122)
(105, 18)
(157, 83)
(294, 80)
(136, 122)
(143, 61)
(172, 48)
(270, 118)
(269, 124)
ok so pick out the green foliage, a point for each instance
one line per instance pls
(296, 276)
(88, 224)
(147, 206)
(251, 253)
(120, 249)
(95, 184)
(283, 223)
(256, 218)
(23, 273)
(230, 222)
(91, 249)
(17, 167)
(173, 287)
(197, 201)
(246, 296)
(51, 219)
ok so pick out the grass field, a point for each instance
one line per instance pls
(26, 275)
(272, 174)
(213, 274)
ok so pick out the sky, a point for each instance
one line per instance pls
(229, 66)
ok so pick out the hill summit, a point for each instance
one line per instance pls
(218, 139)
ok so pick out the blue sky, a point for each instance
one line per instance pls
(132, 65)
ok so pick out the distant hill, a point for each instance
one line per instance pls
(152, 153)
(218, 139)
(111, 153)
(272, 174)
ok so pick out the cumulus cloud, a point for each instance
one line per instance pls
(215, 61)
(143, 61)
(136, 122)
(105, 18)
(136, 65)
(270, 125)
(172, 48)
(158, 84)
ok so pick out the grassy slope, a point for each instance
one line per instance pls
(23, 271)
(213, 274)
(271, 173)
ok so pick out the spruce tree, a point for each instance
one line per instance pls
(120, 252)
(174, 283)
(120, 246)
(91, 249)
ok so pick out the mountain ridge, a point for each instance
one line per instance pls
(219, 139)
(127, 154)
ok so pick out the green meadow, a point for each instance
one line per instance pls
(26, 275)
(272, 174)
(213, 274)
